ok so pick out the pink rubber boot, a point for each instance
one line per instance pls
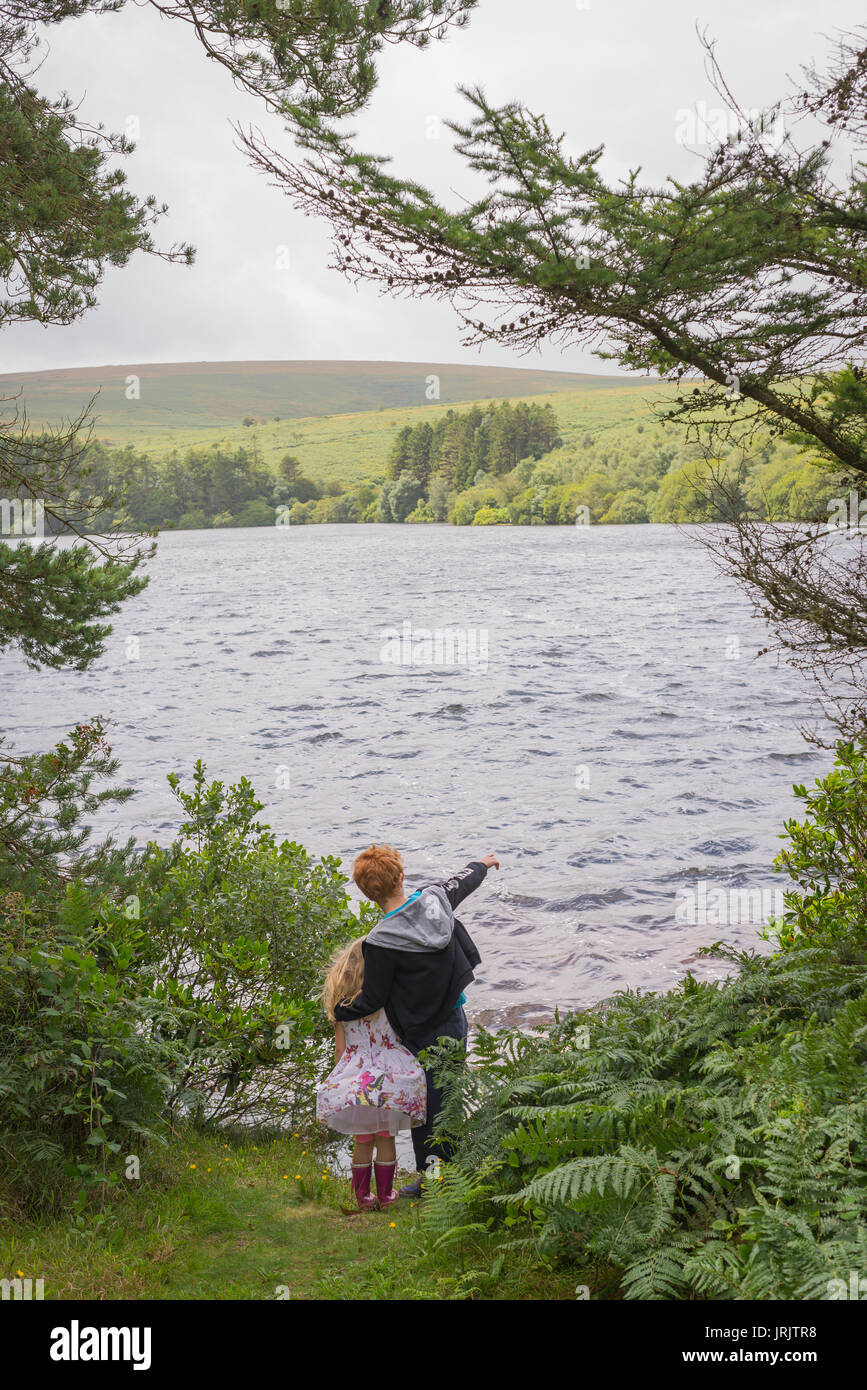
(361, 1175)
(385, 1182)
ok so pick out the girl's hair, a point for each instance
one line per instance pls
(344, 976)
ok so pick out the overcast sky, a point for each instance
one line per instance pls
(616, 72)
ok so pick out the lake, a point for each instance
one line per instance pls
(585, 701)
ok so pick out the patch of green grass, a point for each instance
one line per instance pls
(354, 446)
(257, 1218)
(338, 418)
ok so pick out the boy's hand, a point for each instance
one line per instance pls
(489, 861)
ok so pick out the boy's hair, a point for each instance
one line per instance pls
(377, 872)
(345, 973)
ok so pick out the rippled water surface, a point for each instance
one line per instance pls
(614, 737)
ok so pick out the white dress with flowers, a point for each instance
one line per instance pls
(377, 1084)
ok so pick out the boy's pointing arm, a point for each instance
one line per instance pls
(467, 880)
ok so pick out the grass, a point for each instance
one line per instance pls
(257, 1219)
(182, 395)
(355, 446)
(338, 418)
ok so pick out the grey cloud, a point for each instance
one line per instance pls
(615, 73)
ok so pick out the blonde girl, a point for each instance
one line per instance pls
(377, 1087)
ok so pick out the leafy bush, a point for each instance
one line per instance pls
(239, 957)
(45, 802)
(192, 521)
(827, 855)
(80, 1064)
(708, 1142)
(399, 498)
(140, 986)
(255, 513)
(492, 516)
(628, 508)
(84, 1074)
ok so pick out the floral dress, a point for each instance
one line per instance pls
(377, 1085)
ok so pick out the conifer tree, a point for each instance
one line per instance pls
(745, 287)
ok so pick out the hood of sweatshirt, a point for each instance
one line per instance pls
(424, 924)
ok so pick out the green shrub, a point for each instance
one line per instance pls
(628, 508)
(255, 513)
(826, 855)
(421, 513)
(46, 800)
(240, 955)
(84, 1072)
(139, 987)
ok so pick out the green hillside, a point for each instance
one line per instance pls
(338, 418)
(206, 444)
(353, 446)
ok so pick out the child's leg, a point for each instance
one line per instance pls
(362, 1150)
(385, 1148)
(362, 1170)
(384, 1167)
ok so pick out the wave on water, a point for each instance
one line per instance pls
(611, 751)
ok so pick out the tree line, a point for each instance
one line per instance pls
(463, 442)
(505, 464)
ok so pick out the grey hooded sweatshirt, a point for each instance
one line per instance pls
(418, 959)
(424, 923)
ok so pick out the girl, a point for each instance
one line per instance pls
(376, 1088)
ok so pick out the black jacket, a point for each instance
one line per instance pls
(419, 989)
